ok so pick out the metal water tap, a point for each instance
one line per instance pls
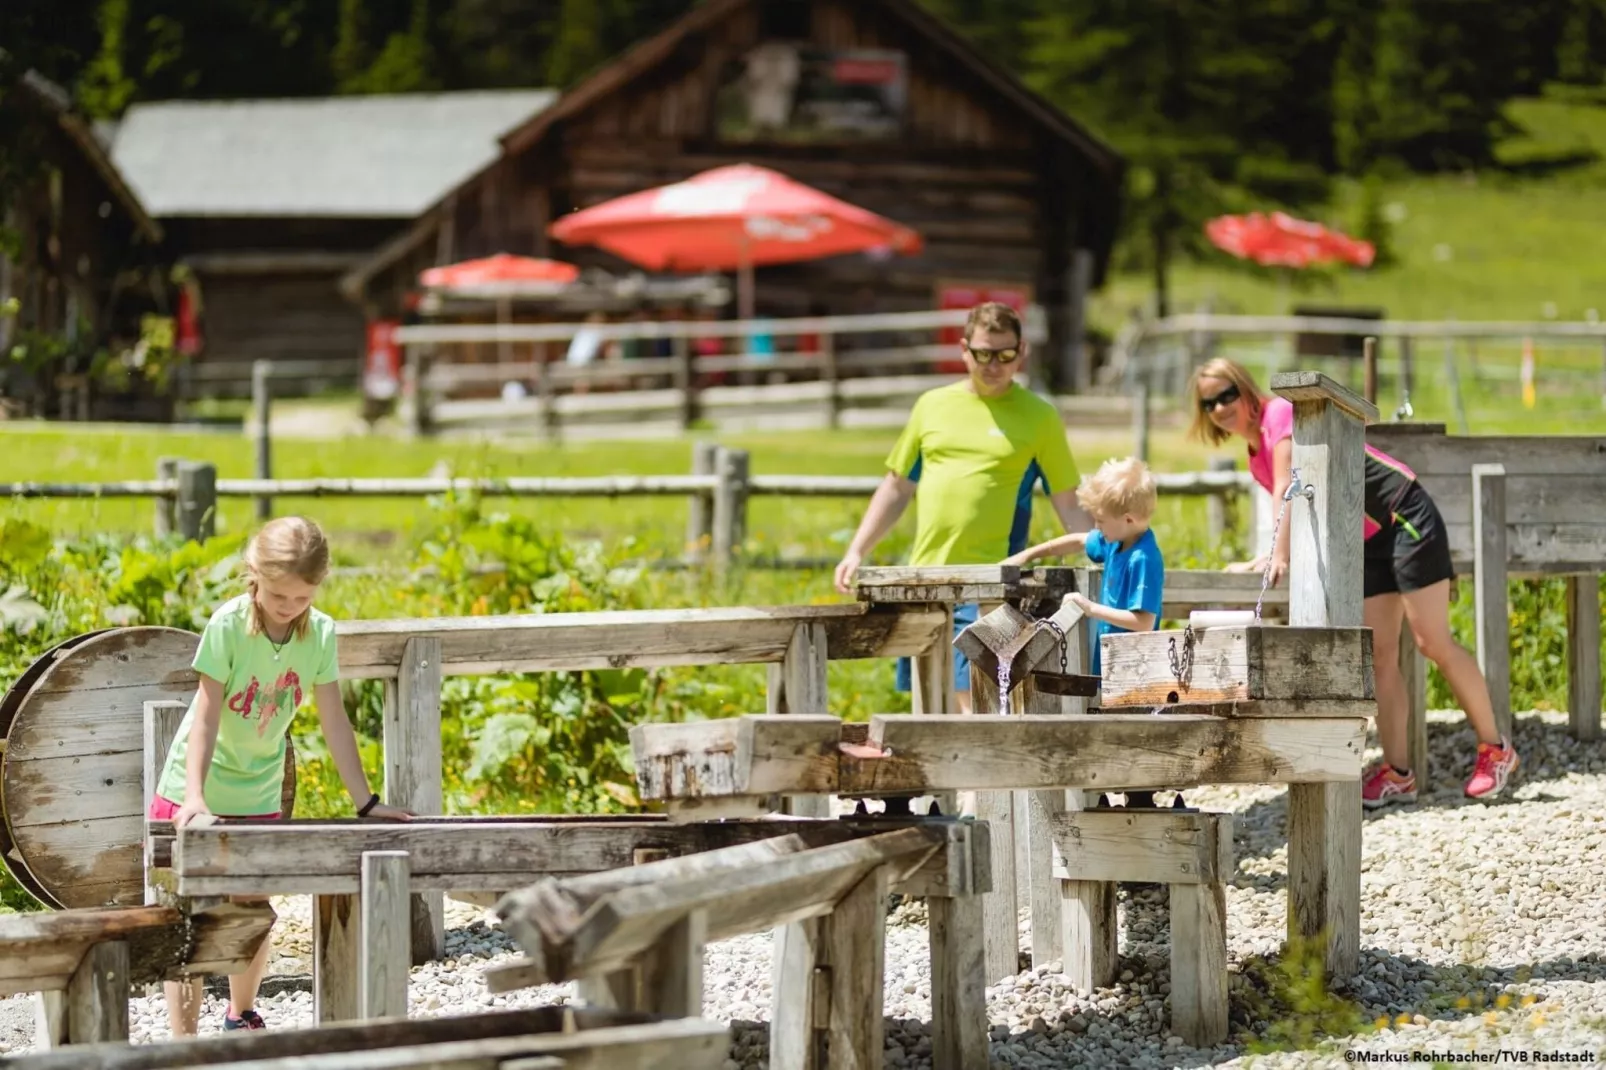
(1296, 486)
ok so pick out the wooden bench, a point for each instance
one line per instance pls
(1515, 505)
(548, 1038)
(642, 931)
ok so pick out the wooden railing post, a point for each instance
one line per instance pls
(1140, 420)
(1221, 508)
(1489, 580)
(1414, 670)
(166, 505)
(700, 511)
(197, 500)
(382, 969)
(685, 380)
(546, 419)
(262, 413)
(1583, 656)
(832, 376)
(730, 505)
(1324, 820)
(413, 777)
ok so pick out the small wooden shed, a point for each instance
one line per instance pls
(874, 101)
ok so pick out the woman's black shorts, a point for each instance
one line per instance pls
(1413, 549)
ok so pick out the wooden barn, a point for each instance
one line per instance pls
(86, 263)
(873, 101)
(267, 203)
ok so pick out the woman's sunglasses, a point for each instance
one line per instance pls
(1221, 400)
(992, 356)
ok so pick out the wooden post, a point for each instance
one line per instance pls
(1199, 962)
(931, 689)
(1088, 923)
(50, 1019)
(1140, 420)
(1414, 669)
(700, 512)
(798, 685)
(1369, 359)
(672, 976)
(1489, 585)
(959, 1037)
(336, 958)
(1583, 656)
(166, 505)
(730, 502)
(385, 946)
(680, 349)
(197, 500)
(546, 419)
(1324, 820)
(413, 765)
(262, 410)
(1405, 366)
(1077, 371)
(833, 383)
(162, 719)
(416, 409)
(828, 998)
(1219, 518)
(97, 995)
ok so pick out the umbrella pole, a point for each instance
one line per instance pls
(744, 284)
(504, 313)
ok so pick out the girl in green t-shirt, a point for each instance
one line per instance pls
(261, 654)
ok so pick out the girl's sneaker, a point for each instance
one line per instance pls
(1385, 787)
(1492, 771)
(246, 1020)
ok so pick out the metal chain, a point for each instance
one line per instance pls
(1182, 668)
(1294, 487)
(1065, 645)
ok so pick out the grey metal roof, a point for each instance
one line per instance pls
(378, 156)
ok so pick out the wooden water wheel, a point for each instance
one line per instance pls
(71, 777)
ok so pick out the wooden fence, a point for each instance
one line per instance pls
(719, 490)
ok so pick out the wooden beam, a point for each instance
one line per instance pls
(1199, 962)
(97, 995)
(798, 685)
(1583, 656)
(477, 646)
(1489, 584)
(1144, 846)
(959, 1037)
(336, 958)
(386, 936)
(739, 756)
(413, 769)
(959, 584)
(1088, 923)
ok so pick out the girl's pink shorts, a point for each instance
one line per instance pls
(166, 810)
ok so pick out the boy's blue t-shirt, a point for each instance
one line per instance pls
(1133, 579)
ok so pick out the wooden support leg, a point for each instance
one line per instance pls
(828, 1012)
(1583, 656)
(798, 685)
(932, 686)
(49, 1020)
(94, 1009)
(1324, 871)
(336, 953)
(1414, 668)
(412, 749)
(1199, 963)
(1088, 924)
(672, 976)
(1000, 920)
(958, 983)
(615, 991)
(1489, 564)
(386, 945)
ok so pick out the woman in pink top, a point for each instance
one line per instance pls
(1407, 574)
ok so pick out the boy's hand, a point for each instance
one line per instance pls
(383, 812)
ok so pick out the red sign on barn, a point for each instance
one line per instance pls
(381, 368)
(967, 295)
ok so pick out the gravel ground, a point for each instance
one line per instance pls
(1481, 931)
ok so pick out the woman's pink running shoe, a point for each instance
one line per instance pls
(1492, 771)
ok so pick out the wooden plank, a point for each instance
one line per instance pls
(336, 962)
(1324, 850)
(854, 941)
(793, 753)
(1150, 847)
(1492, 621)
(1267, 709)
(959, 584)
(1583, 656)
(50, 1018)
(793, 1009)
(1521, 455)
(413, 769)
(672, 972)
(959, 1037)
(226, 938)
(652, 638)
(1314, 388)
(543, 1027)
(1088, 921)
(1000, 918)
(798, 685)
(162, 717)
(1199, 962)
(386, 945)
(1231, 664)
(97, 995)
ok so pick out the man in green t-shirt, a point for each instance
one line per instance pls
(974, 450)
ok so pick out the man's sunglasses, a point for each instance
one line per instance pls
(992, 356)
(1221, 400)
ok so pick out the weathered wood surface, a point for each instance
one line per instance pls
(1110, 752)
(737, 756)
(1199, 962)
(386, 936)
(73, 776)
(1261, 709)
(1145, 846)
(336, 958)
(40, 952)
(958, 983)
(485, 855)
(961, 583)
(1237, 664)
(413, 764)
(526, 642)
(1583, 656)
(575, 1037)
(1189, 589)
(1491, 619)
(601, 923)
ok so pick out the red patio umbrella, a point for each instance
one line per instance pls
(502, 272)
(731, 219)
(1279, 240)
